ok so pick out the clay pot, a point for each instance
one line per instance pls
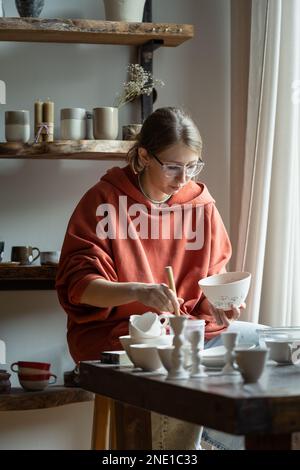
(5, 384)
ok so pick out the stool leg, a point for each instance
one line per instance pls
(101, 423)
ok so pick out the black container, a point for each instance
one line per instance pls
(29, 8)
(1, 250)
(5, 384)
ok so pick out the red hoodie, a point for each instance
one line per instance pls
(116, 234)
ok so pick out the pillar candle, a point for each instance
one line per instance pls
(48, 117)
(38, 118)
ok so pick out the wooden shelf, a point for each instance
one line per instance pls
(27, 277)
(92, 31)
(19, 399)
(68, 150)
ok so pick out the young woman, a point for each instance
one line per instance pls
(135, 221)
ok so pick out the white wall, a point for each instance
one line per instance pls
(38, 197)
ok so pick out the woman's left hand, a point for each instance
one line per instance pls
(225, 317)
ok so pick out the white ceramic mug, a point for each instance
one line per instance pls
(147, 325)
(284, 351)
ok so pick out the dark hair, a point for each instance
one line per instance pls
(163, 128)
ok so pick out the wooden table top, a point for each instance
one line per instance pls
(225, 403)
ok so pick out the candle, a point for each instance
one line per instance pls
(38, 118)
(48, 118)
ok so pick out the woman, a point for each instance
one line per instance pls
(135, 221)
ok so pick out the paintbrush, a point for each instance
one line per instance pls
(172, 286)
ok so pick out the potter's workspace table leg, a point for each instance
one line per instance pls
(101, 423)
(132, 427)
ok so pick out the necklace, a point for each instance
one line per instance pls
(154, 201)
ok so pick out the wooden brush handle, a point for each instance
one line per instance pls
(171, 283)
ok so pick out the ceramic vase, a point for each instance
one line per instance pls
(124, 10)
(29, 8)
(131, 131)
(1, 9)
(106, 123)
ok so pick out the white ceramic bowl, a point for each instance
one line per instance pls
(126, 341)
(163, 340)
(145, 356)
(227, 289)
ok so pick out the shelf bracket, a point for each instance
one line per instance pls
(145, 54)
(146, 61)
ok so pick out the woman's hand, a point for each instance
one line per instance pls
(225, 317)
(158, 296)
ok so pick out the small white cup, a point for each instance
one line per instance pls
(165, 355)
(251, 363)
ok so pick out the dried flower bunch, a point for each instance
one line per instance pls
(140, 83)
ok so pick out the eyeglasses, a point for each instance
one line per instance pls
(172, 170)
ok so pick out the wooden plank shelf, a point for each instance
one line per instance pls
(27, 277)
(86, 31)
(67, 150)
(19, 399)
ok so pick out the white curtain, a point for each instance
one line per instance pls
(269, 234)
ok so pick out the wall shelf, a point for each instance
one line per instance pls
(27, 277)
(19, 399)
(68, 150)
(92, 31)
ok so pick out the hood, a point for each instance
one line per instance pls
(125, 182)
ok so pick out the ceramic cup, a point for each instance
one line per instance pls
(283, 351)
(251, 363)
(124, 10)
(30, 367)
(73, 123)
(165, 355)
(24, 254)
(36, 381)
(49, 257)
(106, 123)
(147, 325)
(17, 126)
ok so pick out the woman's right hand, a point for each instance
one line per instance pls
(158, 296)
